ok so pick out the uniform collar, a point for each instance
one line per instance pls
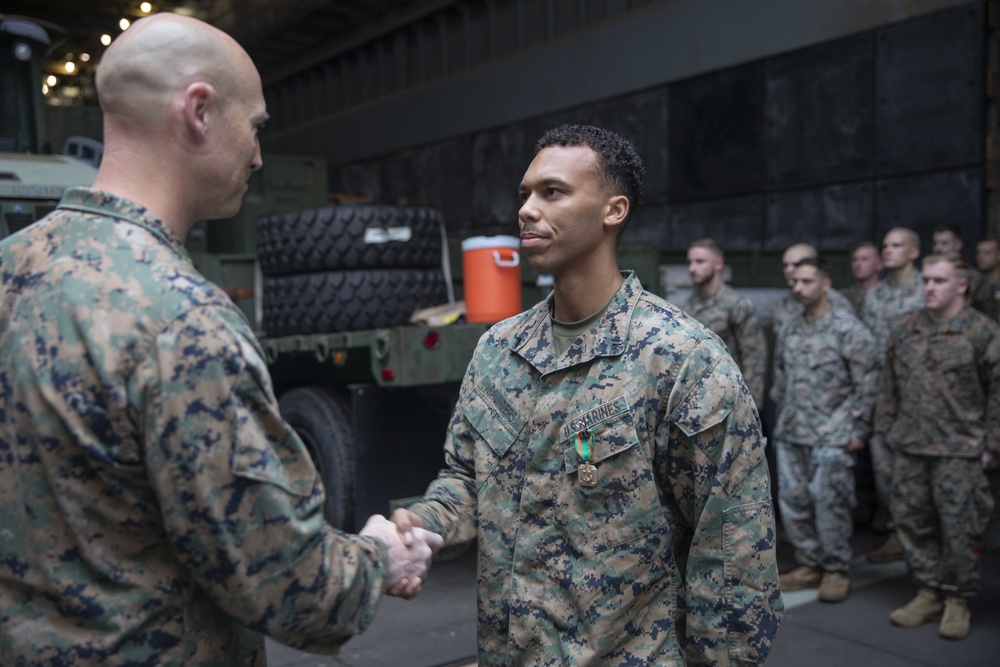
(607, 338)
(107, 204)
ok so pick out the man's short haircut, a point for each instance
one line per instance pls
(865, 244)
(822, 269)
(620, 164)
(911, 236)
(958, 263)
(949, 227)
(990, 239)
(709, 244)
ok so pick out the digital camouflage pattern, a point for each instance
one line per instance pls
(787, 306)
(155, 509)
(940, 389)
(855, 296)
(732, 318)
(942, 505)
(825, 379)
(816, 496)
(669, 559)
(886, 303)
(989, 300)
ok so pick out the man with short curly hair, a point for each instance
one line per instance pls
(605, 454)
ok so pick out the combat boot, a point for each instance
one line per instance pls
(834, 587)
(955, 621)
(891, 550)
(801, 578)
(922, 609)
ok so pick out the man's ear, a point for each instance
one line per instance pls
(617, 211)
(199, 98)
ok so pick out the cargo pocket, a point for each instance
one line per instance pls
(752, 598)
(283, 462)
(624, 504)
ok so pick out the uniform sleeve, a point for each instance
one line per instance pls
(449, 504)
(862, 364)
(710, 457)
(241, 500)
(887, 400)
(753, 350)
(778, 381)
(991, 371)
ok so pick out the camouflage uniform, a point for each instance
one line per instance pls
(825, 374)
(855, 296)
(938, 407)
(788, 306)
(989, 300)
(156, 510)
(883, 306)
(732, 318)
(669, 559)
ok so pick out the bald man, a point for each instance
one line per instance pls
(156, 509)
(787, 306)
(900, 293)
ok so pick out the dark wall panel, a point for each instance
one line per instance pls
(926, 201)
(642, 119)
(715, 134)
(818, 120)
(735, 222)
(831, 218)
(929, 77)
(498, 163)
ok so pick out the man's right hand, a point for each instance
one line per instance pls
(408, 563)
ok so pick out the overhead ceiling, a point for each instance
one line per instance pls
(280, 36)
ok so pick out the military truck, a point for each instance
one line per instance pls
(32, 180)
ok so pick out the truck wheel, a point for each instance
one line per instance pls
(355, 236)
(321, 417)
(348, 300)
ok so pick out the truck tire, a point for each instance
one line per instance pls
(355, 236)
(321, 417)
(348, 300)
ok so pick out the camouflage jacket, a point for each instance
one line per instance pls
(940, 389)
(885, 304)
(825, 378)
(986, 299)
(787, 306)
(156, 510)
(669, 558)
(733, 319)
(855, 296)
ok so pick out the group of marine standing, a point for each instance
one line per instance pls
(898, 376)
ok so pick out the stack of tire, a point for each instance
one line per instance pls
(349, 267)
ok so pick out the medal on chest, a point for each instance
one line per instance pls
(586, 474)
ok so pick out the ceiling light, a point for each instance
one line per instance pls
(70, 66)
(45, 89)
(124, 24)
(51, 80)
(85, 57)
(145, 8)
(105, 39)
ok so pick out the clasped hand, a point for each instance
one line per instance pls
(410, 554)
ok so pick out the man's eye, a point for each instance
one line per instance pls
(552, 192)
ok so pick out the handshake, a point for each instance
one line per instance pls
(410, 550)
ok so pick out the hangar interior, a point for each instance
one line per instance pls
(761, 124)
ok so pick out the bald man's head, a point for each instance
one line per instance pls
(795, 254)
(161, 55)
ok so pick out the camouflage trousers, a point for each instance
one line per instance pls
(816, 495)
(942, 506)
(883, 462)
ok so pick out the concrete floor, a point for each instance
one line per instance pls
(438, 628)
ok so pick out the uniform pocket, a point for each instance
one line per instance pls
(496, 421)
(624, 504)
(284, 462)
